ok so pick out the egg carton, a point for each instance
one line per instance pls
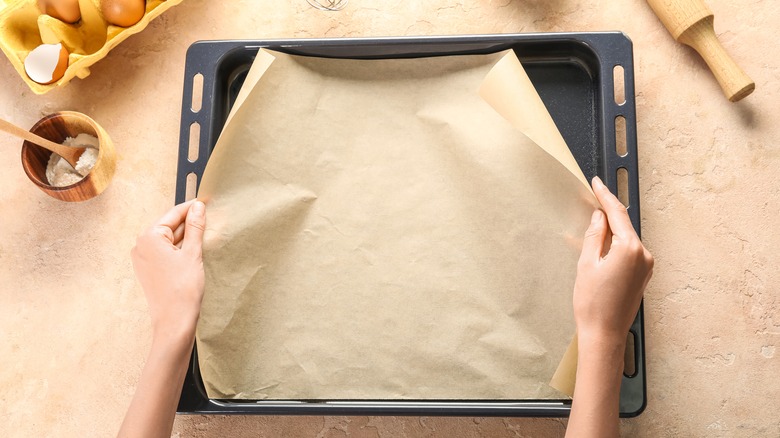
(23, 27)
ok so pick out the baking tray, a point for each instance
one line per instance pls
(573, 73)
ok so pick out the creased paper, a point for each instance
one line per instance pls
(509, 91)
(376, 230)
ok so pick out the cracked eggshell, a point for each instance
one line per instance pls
(46, 63)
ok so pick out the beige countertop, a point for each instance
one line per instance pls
(74, 329)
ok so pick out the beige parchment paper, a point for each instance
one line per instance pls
(376, 230)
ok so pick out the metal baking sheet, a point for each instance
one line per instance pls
(573, 73)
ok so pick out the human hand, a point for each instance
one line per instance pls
(613, 271)
(167, 259)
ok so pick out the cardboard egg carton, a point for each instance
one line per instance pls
(24, 27)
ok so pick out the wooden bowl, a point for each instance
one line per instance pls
(56, 127)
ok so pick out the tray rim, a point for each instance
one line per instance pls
(608, 48)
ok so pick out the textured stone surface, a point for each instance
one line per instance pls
(74, 329)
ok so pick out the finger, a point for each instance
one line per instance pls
(175, 216)
(178, 234)
(195, 225)
(607, 243)
(617, 215)
(593, 245)
(157, 231)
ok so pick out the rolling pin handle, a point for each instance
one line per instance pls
(701, 36)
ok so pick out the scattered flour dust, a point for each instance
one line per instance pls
(60, 173)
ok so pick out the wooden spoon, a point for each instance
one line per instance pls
(70, 154)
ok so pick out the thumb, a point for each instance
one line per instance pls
(194, 226)
(593, 245)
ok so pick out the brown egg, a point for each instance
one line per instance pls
(46, 63)
(123, 13)
(65, 10)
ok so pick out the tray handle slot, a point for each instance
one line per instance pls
(618, 81)
(629, 356)
(621, 146)
(197, 93)
(192, 186)
(622, 186)
(194, 144)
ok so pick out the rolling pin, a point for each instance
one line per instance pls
(691, 22)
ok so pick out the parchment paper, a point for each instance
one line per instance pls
(377, 231)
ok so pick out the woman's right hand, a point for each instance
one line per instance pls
(613, 271)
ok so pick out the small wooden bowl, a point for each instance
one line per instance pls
(56, 127)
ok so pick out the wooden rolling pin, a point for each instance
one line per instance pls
(691, 22)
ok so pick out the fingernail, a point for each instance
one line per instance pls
(597, 182)
(596, 217)
(198, 208)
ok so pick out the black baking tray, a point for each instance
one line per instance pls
(573, 73)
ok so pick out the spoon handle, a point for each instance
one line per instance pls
(71, 155)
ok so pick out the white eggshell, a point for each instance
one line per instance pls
(42, 63)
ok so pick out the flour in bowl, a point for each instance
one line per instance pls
(60, 173)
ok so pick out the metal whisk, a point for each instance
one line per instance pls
(328, 5)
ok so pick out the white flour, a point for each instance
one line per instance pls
(60, 173)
